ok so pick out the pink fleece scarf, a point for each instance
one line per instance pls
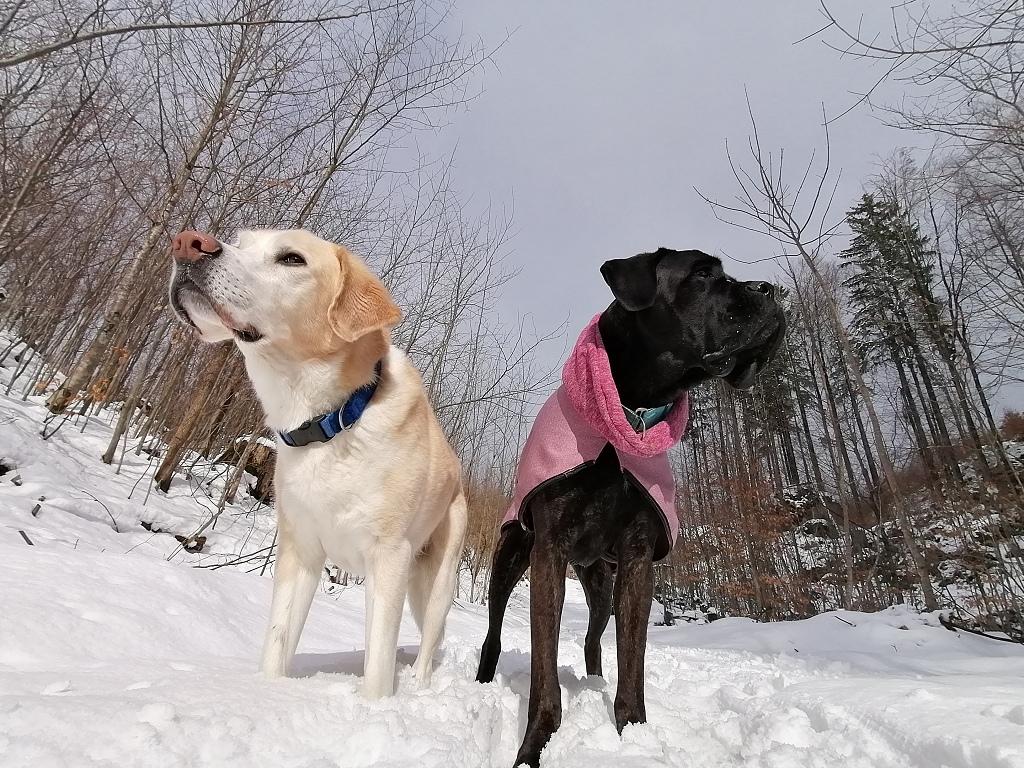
(587, 376)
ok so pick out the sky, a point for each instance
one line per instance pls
(596, 121)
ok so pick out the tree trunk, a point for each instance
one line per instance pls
(200, 394)
(881, 450)
(129, 405)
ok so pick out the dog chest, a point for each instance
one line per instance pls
(341, 505)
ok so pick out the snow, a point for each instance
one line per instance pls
(115, 650)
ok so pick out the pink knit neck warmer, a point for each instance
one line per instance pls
(587, 377)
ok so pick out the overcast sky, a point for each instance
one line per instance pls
(597, 120)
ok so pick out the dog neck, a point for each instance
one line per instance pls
(294, 390)
(645, 377)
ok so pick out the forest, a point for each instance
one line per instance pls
(878, 461)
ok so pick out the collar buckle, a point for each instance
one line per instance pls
(642, 419)
(307, 432)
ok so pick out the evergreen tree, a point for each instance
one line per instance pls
(897, 319)
(891, 280)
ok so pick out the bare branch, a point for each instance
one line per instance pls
(133, 29)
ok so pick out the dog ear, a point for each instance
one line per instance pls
(634, 281)
(362, 304)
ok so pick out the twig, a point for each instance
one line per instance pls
(64, 417)
(112, 520)
(131, 29)
(269, 553)
(237, 560)
(953, 625)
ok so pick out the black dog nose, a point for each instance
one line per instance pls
(761, 287)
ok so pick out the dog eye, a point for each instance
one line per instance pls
(703, 272)
(291, 258)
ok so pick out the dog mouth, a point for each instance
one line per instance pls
(740, 340)
(185, 291)
(745, 352)
(742, 377)
(180, 287)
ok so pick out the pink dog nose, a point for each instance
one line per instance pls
(192, 246)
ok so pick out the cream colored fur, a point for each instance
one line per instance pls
(383, 499)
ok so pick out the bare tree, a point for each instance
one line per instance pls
(386, 87)
(22, 25)
(797, 217)
(236, 77)
(114, 141)
(966, 66)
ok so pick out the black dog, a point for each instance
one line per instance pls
(677, 320)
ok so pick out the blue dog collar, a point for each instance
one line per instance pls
(643, 419)
(320, 429)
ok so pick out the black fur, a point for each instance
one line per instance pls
(677, 320)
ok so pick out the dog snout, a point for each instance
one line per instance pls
(765, 289)
(193, 246)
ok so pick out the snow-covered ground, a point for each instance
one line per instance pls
(111, 654)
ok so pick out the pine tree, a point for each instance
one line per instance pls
(893, 271)
(896, 315)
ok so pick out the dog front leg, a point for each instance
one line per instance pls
(297, 569)
(547, 594)
(634, 590)
(388, 581)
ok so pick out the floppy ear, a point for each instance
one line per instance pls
(634, 281)
(363, 303)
